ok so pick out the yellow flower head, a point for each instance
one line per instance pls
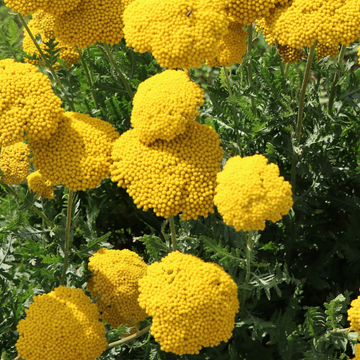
(232, 47)
(170, 176)
(78, 155)
(179, 33)
(192, 303)
(289, 54)
(14, 163)
(116, 276)
(29, 109)
(91, 22)
(357, 352)
(247, 11)
(164, 104)
(67, 53)
(40, 186)
(61, 325)
(54, 7)
(326, 50)
(354, 315)
(250, 191)
(329, 21)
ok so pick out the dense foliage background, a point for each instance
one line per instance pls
(305, 268)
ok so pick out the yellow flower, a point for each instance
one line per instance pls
(54, 7)
(29, 109)
(170, 176)
(78, 155)
(289, 54)
(178, 33)
(354, 315)
(164, 104)
(61, 325)
(40, 186)
(91, 22)
(193, 303)
(14, 163)
(324, 50)
(357, 352)
(232, 47)
(116, 276)
(250, 191)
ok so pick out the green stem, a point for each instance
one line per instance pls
(8, 45)
(42, 223)
(281, 63)
(336, 79)
(117, 70)
(9, 199)
(67, 235)
(47, 63)
(173, 233)
(287, 68)
(87, 74)
(128, 338)
(301, 113)
(236, 123)
(249, 67)
(248, 268)
(90, 69)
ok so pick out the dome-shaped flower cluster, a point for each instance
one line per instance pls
(78, 155)
(302, 23)
(250, 191)
(232, 47)
(40, 186)
(28, 106)
(14, 163)
(54, 7)
(289, 54)
(92, 21)
(357, 352)
(247, 11)
(61, 325)
(116, 276)
(164, 104)
(43, 24)
(192, 303)
(170, 176)
(178, 33)
(354, 315)
(323, 51)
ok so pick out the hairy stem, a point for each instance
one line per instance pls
(48, 65)
(236, 123)
(128, 338)
(173, 233)
(301, 113)
(248, 268)
(249, 67)
(336, 79)
(67, 235)
(287, 68)
(281, 63)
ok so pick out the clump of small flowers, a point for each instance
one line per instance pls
(78, 155)
(92, 21)
(232, 47)
(170, 176)
(61, 325)
(40, 186)
(250, 191)
(164, 104)
(354, 315)
(14, 163)
(192, 303)
(29, 109)
(115, 278)
(357, 352)
(323, 50)
(178, 33)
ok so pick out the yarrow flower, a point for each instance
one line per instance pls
(43, 24)
(29, 109)
(354, 315)
(14, 163)
(116, 276)
(78, 155)
(40, 186)
(61, 325)
(178, 33)
(170, 176)
(357, 352)
(164, 104)
(91, 22)
(232, 47)
(250, 191)
(54, 7)
(192, 303)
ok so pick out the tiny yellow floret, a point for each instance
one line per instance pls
(61, 325)
(116, 276)
(164, 104)
(192, 303)
(354, 315)
(40, 186)
(250, 191)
